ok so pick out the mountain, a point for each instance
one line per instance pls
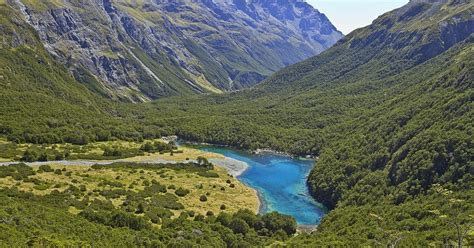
(41, 102)
(142, 50)
(387, 112)
(34, 86)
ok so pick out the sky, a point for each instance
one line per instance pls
(348, 15)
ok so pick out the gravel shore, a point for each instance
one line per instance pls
(234, 167)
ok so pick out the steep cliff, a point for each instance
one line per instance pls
(141, 50)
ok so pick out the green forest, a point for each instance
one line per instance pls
(387, 112)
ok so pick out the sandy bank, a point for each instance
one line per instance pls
(234, 167)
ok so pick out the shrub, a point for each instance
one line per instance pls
(41, 187)
(43, 157)
(45, 168)
(147, 147)
(224, 218)
(208, 174)
(108, 152)
(59, 157)
(199, 217)
(122, 219)
(182, 192)
(168, 201)
(140, 208)
(16, 171)
(29, 156)
(203, 198)
(275, 221)
(239, 226)
(82, 188)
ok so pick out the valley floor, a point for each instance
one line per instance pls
(227, 170)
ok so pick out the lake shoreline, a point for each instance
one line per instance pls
(289, 189)
(257, 151)
(233, 167)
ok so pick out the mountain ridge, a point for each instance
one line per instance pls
(387, 111)
(148, 49)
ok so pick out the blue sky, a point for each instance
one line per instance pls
(348, 15)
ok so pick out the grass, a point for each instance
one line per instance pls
(234, 198)
(185, 153)
(95, 151)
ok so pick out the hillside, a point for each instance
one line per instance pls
(42, 103)
(143, 50)
(34, 87)
(365, 69)
(387, 111)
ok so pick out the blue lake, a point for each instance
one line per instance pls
(281, 183)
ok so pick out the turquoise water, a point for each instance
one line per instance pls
(281, 183)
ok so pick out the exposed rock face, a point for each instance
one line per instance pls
(140, 50)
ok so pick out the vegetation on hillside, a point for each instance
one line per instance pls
(130, 204)
(388, 111)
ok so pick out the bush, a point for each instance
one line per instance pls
(108, 152)
(199, 217)
(239, 226)
(225, 219)
(29, 156)
(43, 157)
(45, 168)
(182, 192)
(147, 147)
(59, 157)
(168, 201)
(82, 188)
(203, 198)
(116, 219)
(208, 174)
(275, 221)
(16, 170)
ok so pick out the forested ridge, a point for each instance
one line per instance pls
(388, 111)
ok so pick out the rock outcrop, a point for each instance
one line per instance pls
(142, 50)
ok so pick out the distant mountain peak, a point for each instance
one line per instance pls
(149, 49)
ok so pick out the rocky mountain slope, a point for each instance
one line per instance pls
(141, 50)
(388, 111)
